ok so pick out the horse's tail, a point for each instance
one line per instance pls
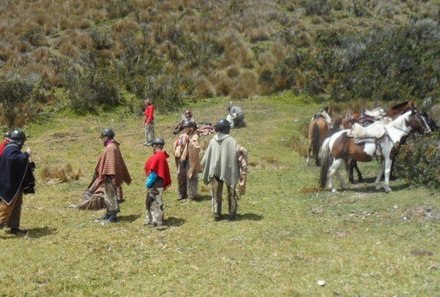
(315, 142)
(325, 157)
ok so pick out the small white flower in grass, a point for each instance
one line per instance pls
(321, 282)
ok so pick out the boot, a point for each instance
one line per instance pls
(112, 217)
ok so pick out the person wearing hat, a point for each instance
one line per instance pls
(186, 116)
(149, 121)
(191, 158)
(105, 189)
(224, 162)
(5, 142)
(158, 179)
(16, 179)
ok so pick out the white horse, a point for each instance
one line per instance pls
(342, 148)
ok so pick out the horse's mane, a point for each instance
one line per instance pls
(403, 104)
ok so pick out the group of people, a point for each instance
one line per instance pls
(223, 162)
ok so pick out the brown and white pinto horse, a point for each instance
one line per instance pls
(365, 118)
(319, 129)
(340, 147)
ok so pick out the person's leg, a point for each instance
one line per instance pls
(192, 183)
(182, 180)
(232, 200)
(156, 207)
(217, 188)
(14, 218)
(110, 200)
(6, 211)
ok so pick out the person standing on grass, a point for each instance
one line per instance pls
(110, 172)
(158, 179)
(5, 142)
(16, 179)
(149, 122)
(180, 153)
(224, 162)
(191, 155)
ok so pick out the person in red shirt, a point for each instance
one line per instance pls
(158, 179)
(5, 142)
(149, 122)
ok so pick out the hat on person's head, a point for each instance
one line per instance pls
(158, 141)
(18, 135)
(223, 126)
(106, 132)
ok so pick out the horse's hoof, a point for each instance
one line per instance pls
(334, 191)
(387, 189)
(378, 187)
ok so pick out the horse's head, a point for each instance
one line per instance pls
(348, 120)
(418, 122)
(430, 121)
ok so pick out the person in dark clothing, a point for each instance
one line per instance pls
(16, 179)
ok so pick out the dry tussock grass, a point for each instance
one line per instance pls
(59, 174)
(204, 88)
(245, 85)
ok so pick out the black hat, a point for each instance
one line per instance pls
(106, 132)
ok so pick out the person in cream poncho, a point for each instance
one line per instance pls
(224, 162)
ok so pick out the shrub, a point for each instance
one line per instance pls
(18, 99)
(89, 88)
(419, 161)
(316, 7)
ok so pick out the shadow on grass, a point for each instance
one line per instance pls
(203, 198)
(249, 217)
(130, 218)
(31, 233)
(40, 232)
(372, 188)
(176, 222)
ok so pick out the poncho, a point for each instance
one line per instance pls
(112, 163)
(15, 172)
(221, 160)
(158, 163)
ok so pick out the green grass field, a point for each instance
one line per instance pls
(361, 242)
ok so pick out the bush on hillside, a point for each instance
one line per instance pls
(419, 161)
(385, 64)
(316, 7)
(88, 88)
(19, 99)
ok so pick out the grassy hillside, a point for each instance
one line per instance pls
(85, 54)
(361, 242)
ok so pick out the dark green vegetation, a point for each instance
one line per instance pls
(361, 242)
(86, 55)
(419, 161)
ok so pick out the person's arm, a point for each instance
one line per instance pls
(151, 179)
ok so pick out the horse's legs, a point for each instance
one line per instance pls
(379, 174)
(332, 171)
(340, 179)
(388, 164)
(309, 152)
(355, 166)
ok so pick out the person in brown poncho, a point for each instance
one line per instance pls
(105, 190)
